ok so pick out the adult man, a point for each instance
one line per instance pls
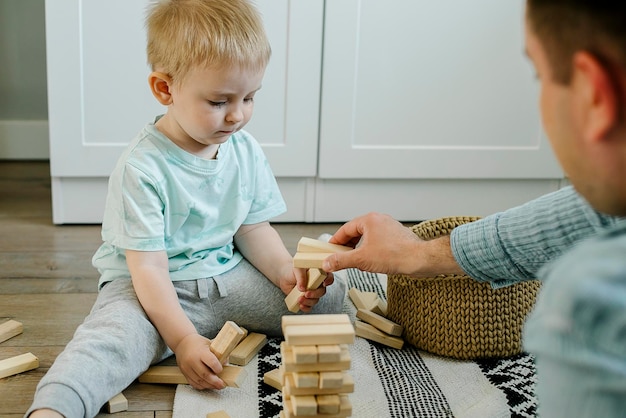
(572, 239)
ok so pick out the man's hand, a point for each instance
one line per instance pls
(198, 363)
(384, 245)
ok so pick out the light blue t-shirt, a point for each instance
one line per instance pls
(161, 197)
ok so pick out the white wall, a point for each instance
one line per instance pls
(23, 91)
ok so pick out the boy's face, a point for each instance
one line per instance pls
(208, 106)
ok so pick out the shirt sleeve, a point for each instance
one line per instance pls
(513, 245)
(134, 211)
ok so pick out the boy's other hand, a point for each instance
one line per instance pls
(198, 363)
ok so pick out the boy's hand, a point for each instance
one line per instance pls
(310, 297)
(198, 363)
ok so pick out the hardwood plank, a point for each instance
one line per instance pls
(48, 319)
(30, 285)
(48, 264)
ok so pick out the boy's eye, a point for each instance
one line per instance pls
(249, 99)
(216, 104)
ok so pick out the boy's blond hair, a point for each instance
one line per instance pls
(185, 34)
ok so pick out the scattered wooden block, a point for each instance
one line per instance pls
(309, 260)
(289, 388)
(10, 329)
(314, 319)
(369, 332)
(118, 403)
(310, 245)
(355, 296)
(328, 404)
(226, 340)
(380, 308)
(274, 378)
(217, 414)
(380, 322)
(319, 334)
(169, 375)
(292, 300)
(247, 349)
(232, 376)
(18, 364)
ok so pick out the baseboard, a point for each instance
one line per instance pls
(24, 140)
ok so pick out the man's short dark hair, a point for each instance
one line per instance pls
(567, 26)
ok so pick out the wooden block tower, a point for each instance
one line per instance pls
(315, 364)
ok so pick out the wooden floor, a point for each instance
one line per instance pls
(47, 283)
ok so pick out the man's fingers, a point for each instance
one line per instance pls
(334, 262)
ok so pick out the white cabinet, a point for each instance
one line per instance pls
(415, 108)
(428, 109)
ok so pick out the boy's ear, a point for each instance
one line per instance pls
(160, 85)
(599, 93)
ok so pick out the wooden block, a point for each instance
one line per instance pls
(328, 353)
(247, 349)
(169, 375)
(289, 365)
(330, 379)
(361, 299)
(232, 376)
(18, 364)
(226, 340)
(380, 308)
(303, 405)
(306, 379)
(370, 299)
(315, 278)
(328, 404)
(289, 388)
(369, 332)
(314, 319)
(118, 403)
(274, 378)
(310, 245)
(380, 322)
(319, 334)
(305, 354)
(292, 300)
(345, 409)
(217, 414)
(309, 260)
(10, 329)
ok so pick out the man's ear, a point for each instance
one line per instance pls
(160, 85)
(599, 95)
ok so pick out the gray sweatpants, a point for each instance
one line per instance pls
(117, 342)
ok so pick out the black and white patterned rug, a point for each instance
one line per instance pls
(388, 382)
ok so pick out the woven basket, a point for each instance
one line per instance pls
(457, 316)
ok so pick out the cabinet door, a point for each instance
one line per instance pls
(99, 98)
(431, 90)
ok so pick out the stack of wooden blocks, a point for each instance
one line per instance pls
(315, 361)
